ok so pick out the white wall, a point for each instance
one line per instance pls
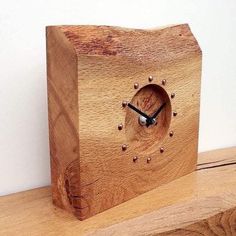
(24, 153)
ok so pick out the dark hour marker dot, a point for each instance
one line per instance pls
(175, 113)
(150, 78)
(163, 82)
(124, 103)
(120, 127)
(124, 147)
(136, 85)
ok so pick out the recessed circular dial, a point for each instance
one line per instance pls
(148, 117)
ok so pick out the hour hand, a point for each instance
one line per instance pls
(138, 111)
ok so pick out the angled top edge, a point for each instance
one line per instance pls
(158, 44)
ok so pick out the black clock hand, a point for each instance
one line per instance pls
(138, 111)
(158, 111)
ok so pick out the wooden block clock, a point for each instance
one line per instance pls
(123, 112)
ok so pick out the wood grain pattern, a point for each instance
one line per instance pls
(201, 203)
(222, 223)
(63, 125)
(91, 70)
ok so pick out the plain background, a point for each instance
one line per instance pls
(24, 152)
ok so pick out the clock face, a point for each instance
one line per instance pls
(148, 117)
(147, 120)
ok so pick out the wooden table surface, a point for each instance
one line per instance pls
(201, 203)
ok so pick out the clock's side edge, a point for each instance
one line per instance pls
(62, 85)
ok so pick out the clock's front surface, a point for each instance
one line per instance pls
(137, 129)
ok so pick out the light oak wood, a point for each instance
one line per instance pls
(91, 70)
(201, 203)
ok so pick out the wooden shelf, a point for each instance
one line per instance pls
(202, 203)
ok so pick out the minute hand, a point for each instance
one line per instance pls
(138, 111)
(158, 111)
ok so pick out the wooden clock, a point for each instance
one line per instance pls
(123, 112)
